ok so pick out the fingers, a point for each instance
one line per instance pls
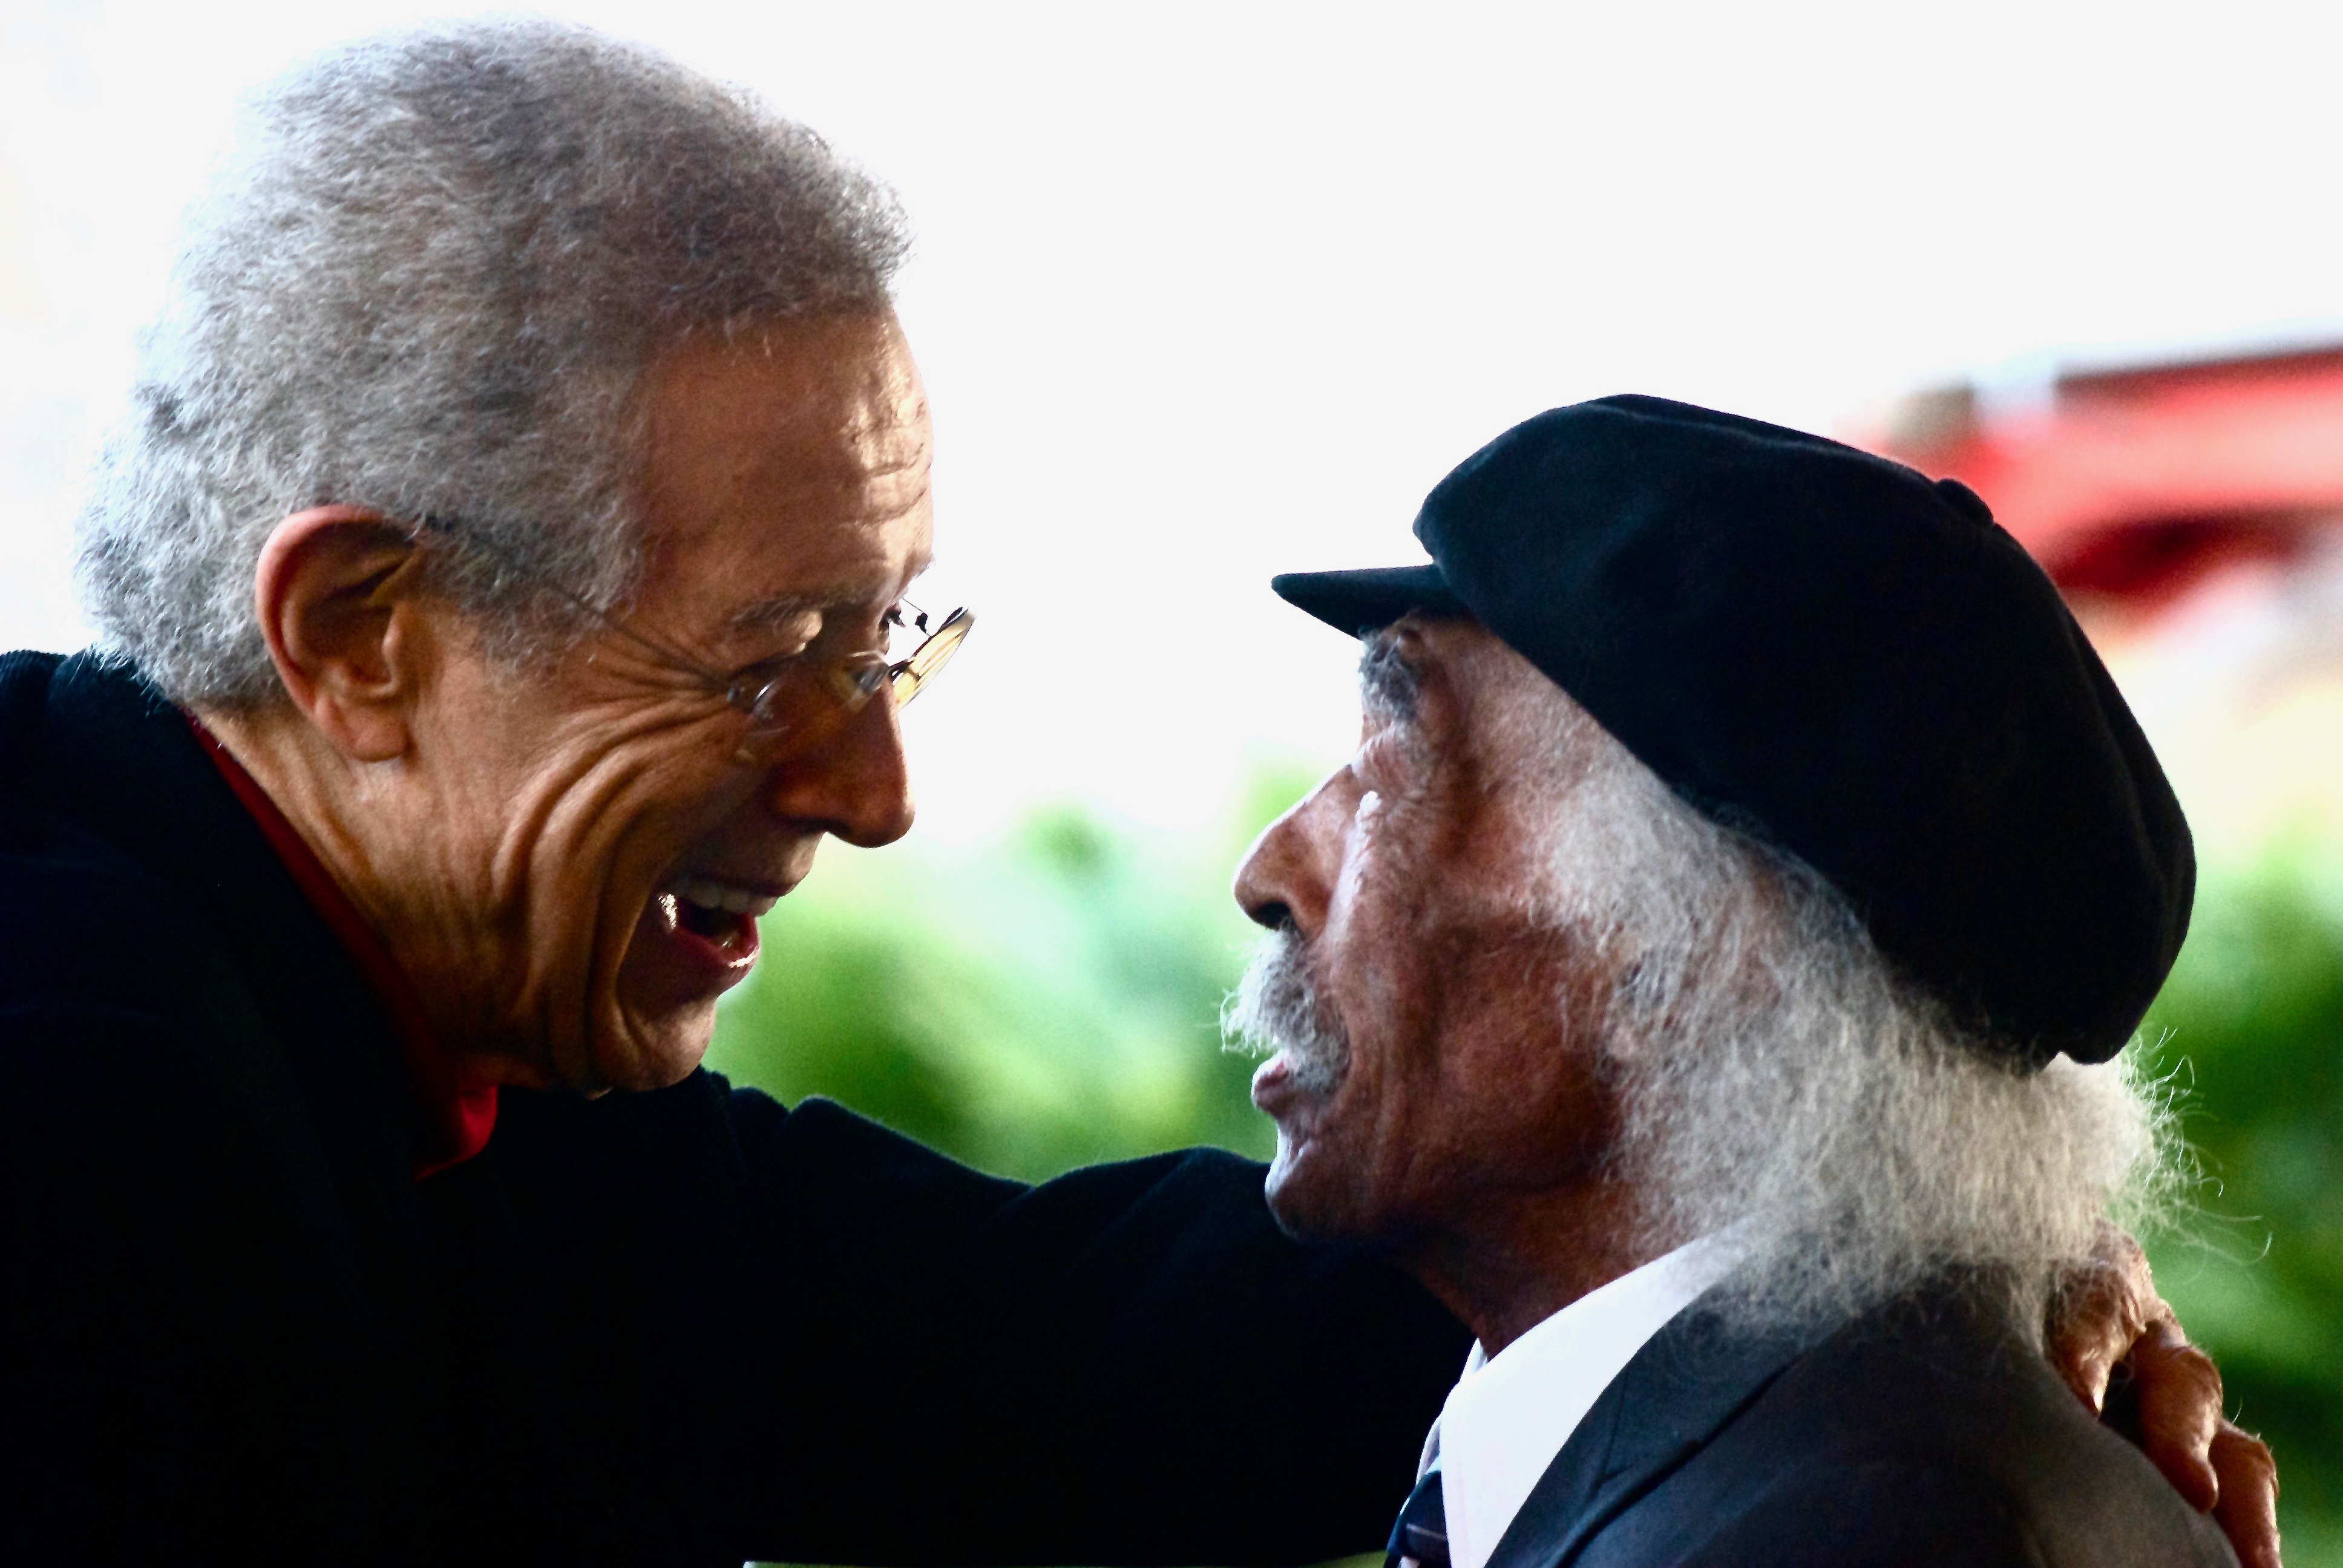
(2097, 1311)
(2117, 1252)
(2179, 1408)
(2107, 1313)
(2085, 1346)
(2247, 1511)
(2086, 1362)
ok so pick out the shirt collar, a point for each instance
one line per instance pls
(1509, 1414)
(454, 1111)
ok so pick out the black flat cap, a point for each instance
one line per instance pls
(1848, 661)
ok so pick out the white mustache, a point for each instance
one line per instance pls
(1276, 1007)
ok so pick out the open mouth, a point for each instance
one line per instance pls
(722, 914)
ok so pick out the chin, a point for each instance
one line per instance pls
(1305, 1198)
(644, 1056)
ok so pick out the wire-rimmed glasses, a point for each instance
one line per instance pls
(769, 693)
(790, 700)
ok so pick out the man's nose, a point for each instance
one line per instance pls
(1288, 875)
(856, 785)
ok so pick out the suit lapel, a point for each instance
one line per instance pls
(1681, 1388)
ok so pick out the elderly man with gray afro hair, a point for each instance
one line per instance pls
(508, 573)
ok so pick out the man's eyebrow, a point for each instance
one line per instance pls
(779, 610)
(782, 609)
(1390, 686)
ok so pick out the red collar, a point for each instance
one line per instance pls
(454, 1112)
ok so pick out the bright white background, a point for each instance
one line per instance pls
(1204, 293)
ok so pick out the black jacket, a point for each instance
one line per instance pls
(1923, 1436)
(680, 1327)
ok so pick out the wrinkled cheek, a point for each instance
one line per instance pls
(646, 1017)
(641, 990)
(650, 1026)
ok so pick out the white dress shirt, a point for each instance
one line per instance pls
(1510, 1414)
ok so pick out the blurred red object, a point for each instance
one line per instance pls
(2132, 486)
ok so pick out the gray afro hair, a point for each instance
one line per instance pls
(427, 280)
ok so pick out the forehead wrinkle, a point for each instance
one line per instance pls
(893, 443)
(872, 452)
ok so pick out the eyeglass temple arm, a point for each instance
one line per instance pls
(468, 541)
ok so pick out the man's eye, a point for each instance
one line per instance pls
(801, 645)
(804, 634)
(774, 663)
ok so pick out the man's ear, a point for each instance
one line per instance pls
(336, 592)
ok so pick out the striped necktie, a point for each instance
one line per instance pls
(1419, 1539)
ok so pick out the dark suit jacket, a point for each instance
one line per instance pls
(1923, 1434)
(680, 1327)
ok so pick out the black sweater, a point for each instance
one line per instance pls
(679, 1327)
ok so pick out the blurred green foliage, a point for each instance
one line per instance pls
(1051, 998)
(2252, 1033)
(1048, 1000)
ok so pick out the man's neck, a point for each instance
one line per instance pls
(1520, 1258)
(357, 826)
(454, 1107)
(308, 790)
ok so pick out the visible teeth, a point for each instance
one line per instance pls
(710, 894)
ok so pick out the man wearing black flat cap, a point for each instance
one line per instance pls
(1707, 978)
(506, 572)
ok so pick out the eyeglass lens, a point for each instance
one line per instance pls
(799, 701)
(931, 655)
